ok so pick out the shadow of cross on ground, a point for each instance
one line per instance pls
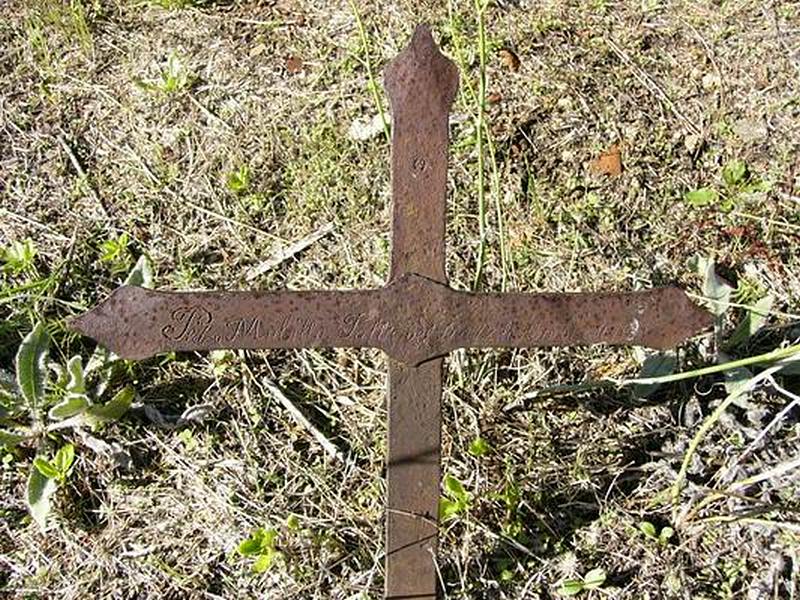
(416, 318)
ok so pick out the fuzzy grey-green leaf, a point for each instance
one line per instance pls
(40, 489)
(71, 405)
(31, 364)
(141, 274)
(113, 409)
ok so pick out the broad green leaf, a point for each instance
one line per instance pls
(265, 560)
(249, 547)
(76, 384)
(71, 405)
(141, 274)
(647, 528)
(40, 489)
(449, 508)
(594, 579)
(111, 410)
(571, 587)
(45, 467)
(31, 366)
(64, 458)
(701, 197)
(656, 364)
(753, 321)
(454, 487)
(734, 172)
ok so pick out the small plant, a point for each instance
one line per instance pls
(260, 546)
(59, 467)
(44, 479)
(479, 447)
(18, 257)
(456, 500)
(662, 537)
(511, 497)
(114, 251)
(591, 581)
(238, 181)
(34, 405)
(174, 77)
(737, 182)
(22, 410)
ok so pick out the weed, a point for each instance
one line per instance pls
(238, 181)
(114, 251)
(590, 581)
(479, 447)
(737, 184)
(18, 257)
(456, 500)
(260, 547)
(35, 406)
(662, 537)
(173, 77)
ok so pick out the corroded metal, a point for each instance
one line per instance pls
(413, 319)
(421, 85)
(416, 318)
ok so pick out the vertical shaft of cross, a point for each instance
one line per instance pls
(421, 84)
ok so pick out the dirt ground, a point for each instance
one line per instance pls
(623, 146)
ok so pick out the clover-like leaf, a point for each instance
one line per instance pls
(704, 196)
(594, 579)
(734, 172)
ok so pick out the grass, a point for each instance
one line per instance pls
(224, 157)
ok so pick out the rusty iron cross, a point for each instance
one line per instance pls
(416, 318)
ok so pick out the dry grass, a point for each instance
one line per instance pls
(683, 87)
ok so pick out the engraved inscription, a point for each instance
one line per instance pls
(189, 323)
(418, 165)
(429, 331)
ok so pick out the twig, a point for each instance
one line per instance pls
(648, 82)
(709, 423)
(795, 401)
(282, 254)
(301, 420)
(479, 127)
(208, 112)
(82, 174)
(373, 86)
(35, 223)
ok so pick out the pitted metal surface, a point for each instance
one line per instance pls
(413, 319)
(416, 318)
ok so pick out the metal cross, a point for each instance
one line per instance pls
(416, 318)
